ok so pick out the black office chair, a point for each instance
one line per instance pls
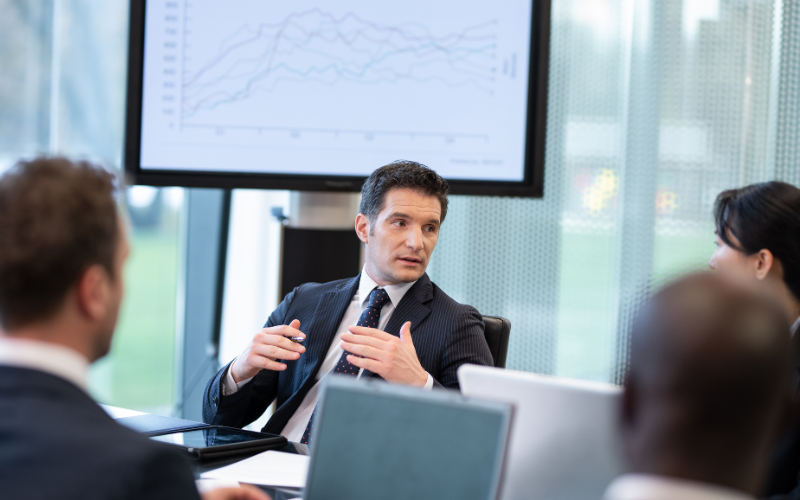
(497, 332)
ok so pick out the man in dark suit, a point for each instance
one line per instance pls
(61, 260)
(360, 326)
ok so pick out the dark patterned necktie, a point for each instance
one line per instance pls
(369, 319)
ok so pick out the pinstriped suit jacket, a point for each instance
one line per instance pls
(446, 335)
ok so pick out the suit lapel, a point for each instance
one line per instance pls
(413, 307)
(328, 316)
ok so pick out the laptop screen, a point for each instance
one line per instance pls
(374, 440)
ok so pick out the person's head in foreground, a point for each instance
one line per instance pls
(758, 238)
(707, 391)
(403, 205)
(62, 251)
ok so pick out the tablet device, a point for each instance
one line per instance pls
(372, 440)
(217, 441)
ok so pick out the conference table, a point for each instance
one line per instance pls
(199, 467)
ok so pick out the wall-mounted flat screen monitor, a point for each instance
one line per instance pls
(308, 95)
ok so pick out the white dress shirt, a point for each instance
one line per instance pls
(47, 357)
(795, 327)
(652, 487)
(296, 426)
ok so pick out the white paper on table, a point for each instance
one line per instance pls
(271, 468)
(204, 485)
(116, 412)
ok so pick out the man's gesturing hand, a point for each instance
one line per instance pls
(394, 359)
(268, 347)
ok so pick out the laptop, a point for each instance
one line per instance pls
(372, 440)
(563, 443)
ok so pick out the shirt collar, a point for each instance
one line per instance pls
(652, 487)
(795, 327)
(395, 292)
(51, 358)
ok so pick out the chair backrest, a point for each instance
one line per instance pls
(497, 332)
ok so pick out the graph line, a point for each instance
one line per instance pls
(317, 47)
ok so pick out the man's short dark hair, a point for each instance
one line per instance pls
(397, 175)
(57, 219)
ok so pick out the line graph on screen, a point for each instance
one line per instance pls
(315, 47)
(304, 87)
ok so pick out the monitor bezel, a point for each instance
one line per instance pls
(532, 184)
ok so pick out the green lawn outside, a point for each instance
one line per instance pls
(586, 340)
(139, 371)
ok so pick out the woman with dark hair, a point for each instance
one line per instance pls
(758, 237)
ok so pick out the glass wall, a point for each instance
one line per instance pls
(140, 371)
(655, 106)
(62, 90)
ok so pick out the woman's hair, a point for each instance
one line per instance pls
(764, 216)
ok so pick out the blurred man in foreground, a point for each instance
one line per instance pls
(706, 395)
(62, 250)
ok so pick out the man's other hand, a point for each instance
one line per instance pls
(243, 493)
(268, 347)
(393, 358)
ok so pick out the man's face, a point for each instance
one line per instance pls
(401, 239)
(116, 288)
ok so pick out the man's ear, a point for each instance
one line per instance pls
(764, 262)
(92, 292)
(362, 227)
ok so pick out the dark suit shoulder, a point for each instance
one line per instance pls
(316, 289)
(306, 296)
(443, 300)
(462, 316)
(49, 424)
(462, 331)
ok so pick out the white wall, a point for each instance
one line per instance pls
(251, 275)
